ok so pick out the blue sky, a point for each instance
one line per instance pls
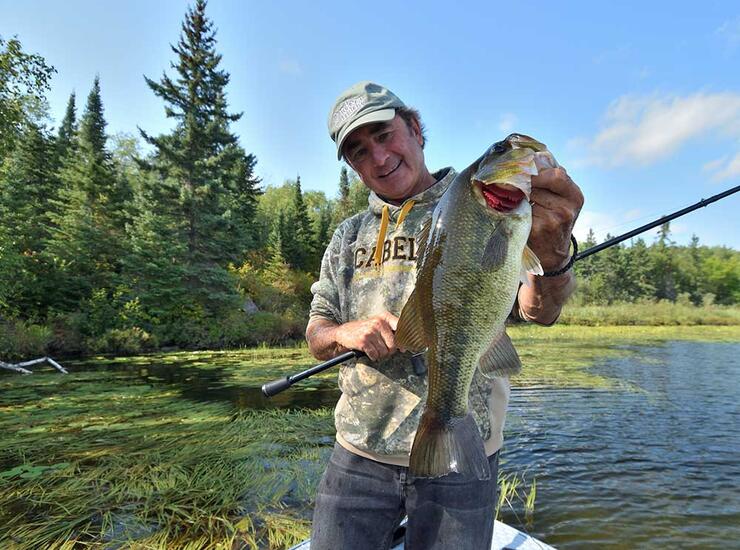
(640, 101)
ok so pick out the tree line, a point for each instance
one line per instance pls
(106, 248)
(692, 274)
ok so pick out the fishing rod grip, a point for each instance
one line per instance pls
(276, 386)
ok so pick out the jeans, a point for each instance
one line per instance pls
(360, 502)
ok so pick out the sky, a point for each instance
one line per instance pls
(639, 101)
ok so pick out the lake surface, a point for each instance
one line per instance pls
(654, 463)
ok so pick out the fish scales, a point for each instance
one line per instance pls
(467, 277)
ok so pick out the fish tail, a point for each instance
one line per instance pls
(442, 446)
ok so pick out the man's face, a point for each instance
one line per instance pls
(389, 158)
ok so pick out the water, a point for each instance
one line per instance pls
(653, 465)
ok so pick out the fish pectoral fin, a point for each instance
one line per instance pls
(530, 264)
(411, 333)
(500, 358)
(494, 255)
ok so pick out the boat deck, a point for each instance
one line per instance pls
(505, 537)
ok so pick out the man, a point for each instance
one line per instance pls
(367, 273)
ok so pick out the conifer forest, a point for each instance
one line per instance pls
(133, 243)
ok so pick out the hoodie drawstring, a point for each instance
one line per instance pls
(384, 220)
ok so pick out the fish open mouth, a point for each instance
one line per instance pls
(502, 197)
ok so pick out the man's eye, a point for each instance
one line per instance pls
(357, 154)
(384, 136)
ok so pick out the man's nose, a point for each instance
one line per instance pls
(379, 154)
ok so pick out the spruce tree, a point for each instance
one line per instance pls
(67, 134)
(87, 233)
(212, 185)
(27, 183)
(305, 242)
(344, 205)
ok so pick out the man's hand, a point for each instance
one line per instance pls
(556, 202)
(373, 336)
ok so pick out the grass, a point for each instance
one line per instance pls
(105, 458)
(662, 313)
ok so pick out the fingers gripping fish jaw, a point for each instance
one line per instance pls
(503, 178)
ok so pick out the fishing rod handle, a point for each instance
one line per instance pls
(281, 384)
(276, 386)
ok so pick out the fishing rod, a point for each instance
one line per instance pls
(276, 386)
(656, 223)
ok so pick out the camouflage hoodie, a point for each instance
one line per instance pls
(381, 403)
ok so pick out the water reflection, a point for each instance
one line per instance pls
(213, 384)
(660, 465)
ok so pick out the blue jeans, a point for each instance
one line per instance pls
(360, 502)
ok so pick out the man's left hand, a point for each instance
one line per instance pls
(556, 201)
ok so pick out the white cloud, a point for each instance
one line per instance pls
(645, 129)
(507, 122)
(724, 168)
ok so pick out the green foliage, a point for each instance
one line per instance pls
(661, 271)
(262, 327)
(67, 134)
(650, 313)
(201, 179)
(20, 340)
(24, 78)
(27, 183)
(130, 341)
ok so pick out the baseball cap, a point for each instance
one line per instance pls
(363, 103)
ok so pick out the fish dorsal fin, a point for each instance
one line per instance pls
(421, 239)
(497, 246)
(411, 331)
(500, 358)
(530, 264)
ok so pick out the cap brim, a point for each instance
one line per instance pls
(382, 115)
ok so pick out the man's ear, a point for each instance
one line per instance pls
(415, 129)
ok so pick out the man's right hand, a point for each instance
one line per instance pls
(373, 336)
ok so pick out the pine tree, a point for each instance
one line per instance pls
(88, 233)
(344, 205)
(27, 183)
(305, 242)
(663, 265)
(67, 135)
(212, 185)
(323, 235)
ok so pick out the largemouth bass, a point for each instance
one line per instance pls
(474, 256)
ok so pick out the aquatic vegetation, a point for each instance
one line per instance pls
(125, 449)
(97, 459)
